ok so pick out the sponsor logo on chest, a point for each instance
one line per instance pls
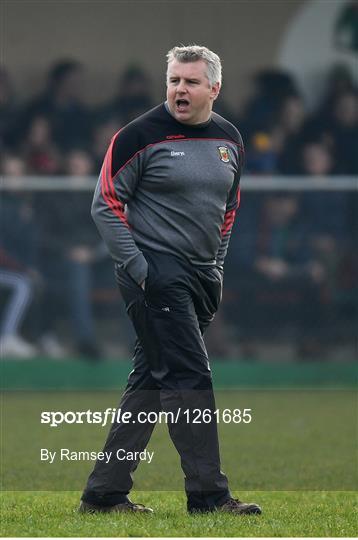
(175, 154)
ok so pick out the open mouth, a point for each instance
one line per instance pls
(182, 104)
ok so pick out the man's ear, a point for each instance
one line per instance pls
(215, 89)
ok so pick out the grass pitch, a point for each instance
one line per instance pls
(297, 459)
(308, 514)
(298, 440)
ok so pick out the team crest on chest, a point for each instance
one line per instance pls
(224, 154)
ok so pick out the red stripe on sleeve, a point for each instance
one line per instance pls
(107, 186)
(230, 217)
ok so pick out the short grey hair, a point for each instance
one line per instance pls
(193, 53)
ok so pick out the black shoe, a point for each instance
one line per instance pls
(128, 506)
(234, 506)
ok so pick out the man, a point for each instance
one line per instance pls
(177, 170)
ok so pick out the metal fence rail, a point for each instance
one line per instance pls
(248, 183)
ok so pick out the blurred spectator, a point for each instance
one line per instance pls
(339, 81)
(70, 247)
(346, 27)
(271, 87)
(39, 150)
(328, 218)
(261, 153)
(132, 99)
(272, 122)
(311, 158)
(9, 111)
(81, 252)
(316, 160)
(13, 165)
(102, 136)
(291, 122)
(275, 123)
(78, 162)
(276, 148)
(275, 273)
(344, 132)
(335, 123)
(62, 104)
(21, 238)
(18, 274)
(291, 115)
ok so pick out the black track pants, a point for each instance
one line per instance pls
(171, 373)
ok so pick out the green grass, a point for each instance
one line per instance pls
(297, 440)
(52, 514)
(297, 459)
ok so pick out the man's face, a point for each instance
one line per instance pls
(189, 94)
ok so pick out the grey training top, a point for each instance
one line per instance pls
(169, 187)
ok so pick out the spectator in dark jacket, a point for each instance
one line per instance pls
(62, 104)
(9, 112)
(277, 280)
(18, 274)
(132, 99)
(69, 248)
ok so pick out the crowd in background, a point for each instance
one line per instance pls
(57, 133)
(289, 247)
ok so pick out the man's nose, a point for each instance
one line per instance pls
(181, 88)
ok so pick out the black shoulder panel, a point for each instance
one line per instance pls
(158, 125)
(125, 145)
(144, 130)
